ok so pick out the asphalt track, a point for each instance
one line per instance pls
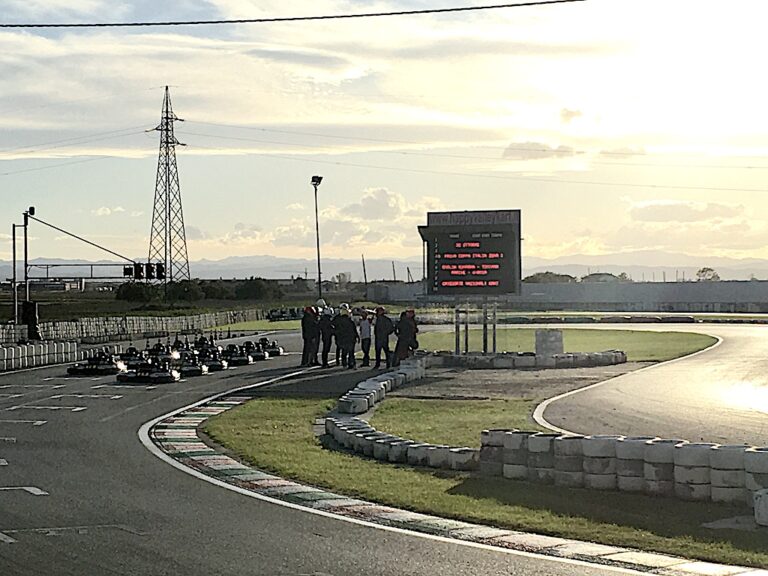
(719, 395)
(80, 495)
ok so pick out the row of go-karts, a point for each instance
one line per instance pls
(164, 363)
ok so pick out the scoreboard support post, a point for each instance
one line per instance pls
(485, 325)
(457, 330)
(466, 329)
(495, 308)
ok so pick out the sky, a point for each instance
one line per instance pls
(614, 125)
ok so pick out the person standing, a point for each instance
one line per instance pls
(309, 334)
(326, 333)
(406, 331)
(381, 331)
(346, 337)
(365, 337)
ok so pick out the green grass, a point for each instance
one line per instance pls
(453, 422)
(640, 346)
(276, 435)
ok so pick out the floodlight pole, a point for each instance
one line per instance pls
(14, 280)
(316, 180)
(26, 252)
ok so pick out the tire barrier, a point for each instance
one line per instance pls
(44, 354)
(659, 466)
(694, 471)
(755, 472)
(600, 461)
(111, 328)
(517, 360)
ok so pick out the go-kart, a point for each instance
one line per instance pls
(150, 373)
(101, 365)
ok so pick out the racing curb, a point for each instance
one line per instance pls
(174, 438)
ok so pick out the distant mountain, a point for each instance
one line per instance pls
(648, 265)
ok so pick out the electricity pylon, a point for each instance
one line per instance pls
(168, 239)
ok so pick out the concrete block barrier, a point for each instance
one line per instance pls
(398, 451)
(417, 454)
(493, 437)
(761, 507)
(600, 481)
(755, 472)
(438, 456)
(659, 466)
(491, 460)
(630, 463)
(515, 471)
(692, 470)
(525, 361)
(541, 457)
(463, 459)
(382, 447)
(600, 446)
(569, 461)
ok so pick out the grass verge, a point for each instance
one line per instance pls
(453, 422)
(640, 346)
(276, 435)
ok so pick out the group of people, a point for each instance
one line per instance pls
(321, 325)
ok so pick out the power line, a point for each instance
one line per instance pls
(492, 176)
(574, 153)
(291, 18)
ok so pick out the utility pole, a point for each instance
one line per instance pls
(394, 274)
(168, 239)
(27, 213)
(316, 180)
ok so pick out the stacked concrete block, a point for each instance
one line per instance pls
(417, 454)
(438, 456)
(569, 461)
(398, 451)
(761, 507)
(541, 457)
(525, 361)
(564, 360)
(727, 475)
(692, 470)
(659, 466)
(515, 457)
(492, 452)
(599, 464)
(755, 471)
(549, 342)
(381, 447)
(630, 463)
(463, 459)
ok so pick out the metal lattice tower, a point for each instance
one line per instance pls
(168, 239)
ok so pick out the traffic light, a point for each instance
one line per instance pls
(150, 271)
(160, 271)
(138, 271)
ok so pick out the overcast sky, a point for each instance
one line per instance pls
(615, 125)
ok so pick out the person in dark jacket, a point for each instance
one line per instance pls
(309, 333)
(381, 331)
(326, 333)
(406, 331)
(346, 337)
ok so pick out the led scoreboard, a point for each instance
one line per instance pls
(472, 253)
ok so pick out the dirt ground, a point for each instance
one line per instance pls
(458, 383)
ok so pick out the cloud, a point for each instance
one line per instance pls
(194, 233)
(567, 115)
(107, 211)
(536, 151)
(295, 206)
(378, 204)
(136, 213)
(623, 152)
(683, 211)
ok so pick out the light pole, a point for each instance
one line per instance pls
(315, 183)
(27, 214)
(14, 281)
